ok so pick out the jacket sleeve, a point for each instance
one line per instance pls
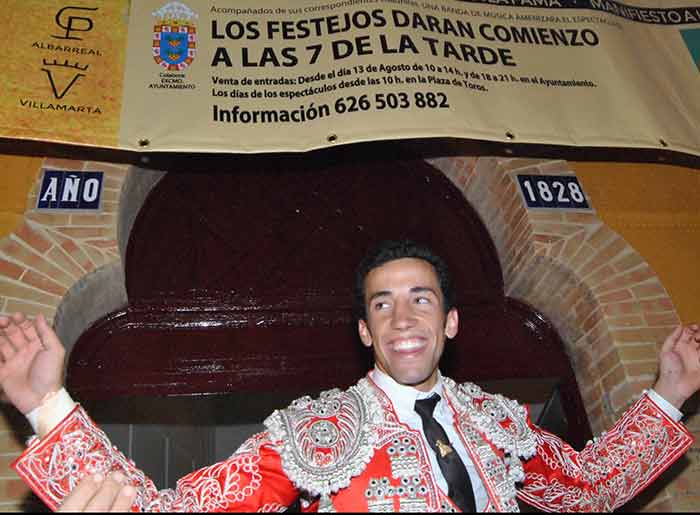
(252, 479)
(611, 469)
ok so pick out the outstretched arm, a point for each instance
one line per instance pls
(622, 461)
(73, 448)
(679, 365)
(252, 479)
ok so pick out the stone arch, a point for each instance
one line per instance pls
(93, 296)
(103, 290)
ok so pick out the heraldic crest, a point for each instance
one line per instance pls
(174, 36)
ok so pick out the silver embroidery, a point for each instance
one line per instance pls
(415, 505)
(324, 443)
(403, 454)
(380, 495)
(625, 460)
(327, 405)
(504, 423)
(327, 442)
(411, 494)
(486, 411)
(611, 469)
(324, 433)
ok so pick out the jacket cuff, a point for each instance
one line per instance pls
(664, 405)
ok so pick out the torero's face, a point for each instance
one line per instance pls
(406, 323)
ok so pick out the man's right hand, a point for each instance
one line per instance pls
(31, 361)
(99, 494)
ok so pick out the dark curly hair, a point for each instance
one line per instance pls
(390, 250)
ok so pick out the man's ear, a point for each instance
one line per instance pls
(452, 323)
(365, 335)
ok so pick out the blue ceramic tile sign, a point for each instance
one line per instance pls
(553, 191)
(61, 189)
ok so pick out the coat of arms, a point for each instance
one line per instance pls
(174, 36)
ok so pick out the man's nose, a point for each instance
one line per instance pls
(403, 315)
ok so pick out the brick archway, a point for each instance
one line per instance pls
(605, 301)
(190, 219)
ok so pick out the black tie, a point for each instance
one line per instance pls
(460, 486)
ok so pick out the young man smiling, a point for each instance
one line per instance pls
(404, 438)
(407, 320)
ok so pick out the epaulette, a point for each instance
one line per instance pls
(325, 442)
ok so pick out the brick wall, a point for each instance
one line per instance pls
(14, 494)
(604, 299)
(46, 255)
(49, 252)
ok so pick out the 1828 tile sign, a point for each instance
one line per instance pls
(553, 191)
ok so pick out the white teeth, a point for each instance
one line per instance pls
(407, 345)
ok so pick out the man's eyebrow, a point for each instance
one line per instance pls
(415, 289)
(422, 289)
(378, 294)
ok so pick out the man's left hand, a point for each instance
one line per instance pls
(679, 365)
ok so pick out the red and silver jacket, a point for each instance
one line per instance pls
(347, 451)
